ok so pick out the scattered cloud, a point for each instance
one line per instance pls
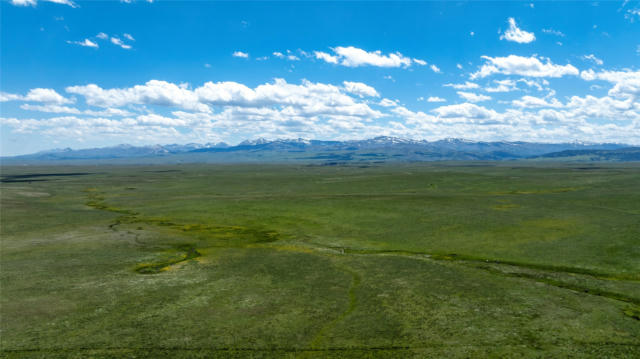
(118, 42)
(385, 102)
(102, 36)
(473, 97)
(465, 86)
(435, 68)
(35, 2)
(37, 95)
(85, 43)
(531, 102)
(420, 62)
(523, 66)
(632, 14)
(326, 57)
(354, 57)
(435, 99)
(553, 32)
(129, 37)
(503, 86)
(360, 89)
(240, 54)
(593, 58)
(516, 34)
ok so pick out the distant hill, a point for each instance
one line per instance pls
(625, 154)
(379, 149)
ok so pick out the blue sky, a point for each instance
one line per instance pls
(97, 73)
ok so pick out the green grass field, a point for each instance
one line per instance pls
(456, 260)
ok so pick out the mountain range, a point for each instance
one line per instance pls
(378, 149)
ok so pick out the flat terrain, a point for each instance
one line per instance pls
(451, 260)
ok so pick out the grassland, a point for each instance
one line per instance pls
(408, 260)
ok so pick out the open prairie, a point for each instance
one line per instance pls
(409, 260)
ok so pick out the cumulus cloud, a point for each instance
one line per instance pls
(531, 101)
(473, 97)
(85, 43)
(360, 89)
(154, 92)
(240, 54)
(305, 100)
(326, 57)
(516, 34)
(385, 102)
(354, 57)
(502, 86)
(102, 36)
(37, 95)
(465, 111)
(129, 37)
(523, 66)
(435, 68)
(435, 99)
(626, 83)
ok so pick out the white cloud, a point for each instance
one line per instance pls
(278, 54)
(553, 32)
(54, 108)
(5, 96)
(626, 83)
(35, 2)
(420, 62)
(435, 68)
(354, 57)
(531, 101)
(24, 2)
(240, 54)
(523, 66)
(37, 95)
(129, 37)
(473, 97)
(465, 86)
(306, 100)
(593, 58)
(632, 14)
(360, 89)
(502, 86)
(435, 99)
(102, 36)
(154, 92)
(85, 43)
(516, 34)
(459, 66)
(326, 57)
(385, 102)
(118, 42)
(465, 111)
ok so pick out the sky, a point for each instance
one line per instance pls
(85, 74)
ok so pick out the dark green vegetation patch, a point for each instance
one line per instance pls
(424, 260)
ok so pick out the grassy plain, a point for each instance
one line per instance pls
(408, 260)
